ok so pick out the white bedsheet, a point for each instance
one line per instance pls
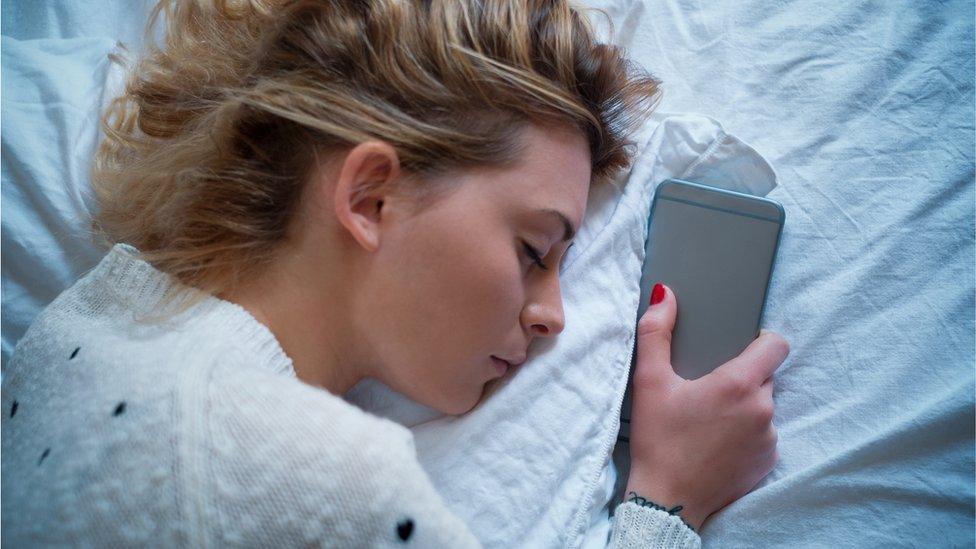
(865, 110)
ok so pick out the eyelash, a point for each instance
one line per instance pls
(534, 255)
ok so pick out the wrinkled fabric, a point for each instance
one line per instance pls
(865, 109)
(51, 92)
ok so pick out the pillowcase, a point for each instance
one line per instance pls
(53, 90)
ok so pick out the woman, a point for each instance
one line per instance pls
(300, 194)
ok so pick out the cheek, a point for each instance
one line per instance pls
(489, 285)
(457, 284)
(452, 299)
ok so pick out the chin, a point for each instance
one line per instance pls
(457, 405)
(456, 408)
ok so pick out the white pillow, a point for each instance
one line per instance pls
(52, 93)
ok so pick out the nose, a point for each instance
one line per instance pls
(543, 313)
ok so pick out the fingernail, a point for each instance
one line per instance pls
(657, 294)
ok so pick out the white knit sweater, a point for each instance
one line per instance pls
(196, 432)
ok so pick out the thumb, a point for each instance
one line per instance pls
(654, 337)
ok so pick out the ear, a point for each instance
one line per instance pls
(365, 178)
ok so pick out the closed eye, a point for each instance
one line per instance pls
(534, 255)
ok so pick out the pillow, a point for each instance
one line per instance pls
(53, 90)
(531, 464)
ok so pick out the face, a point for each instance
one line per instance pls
(447, 288)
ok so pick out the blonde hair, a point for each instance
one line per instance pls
(207, 150)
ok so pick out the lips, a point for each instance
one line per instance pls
(511, 362)
(501, 366)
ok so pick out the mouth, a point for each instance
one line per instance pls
(501, 366)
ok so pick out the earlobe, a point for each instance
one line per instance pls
(366, 176)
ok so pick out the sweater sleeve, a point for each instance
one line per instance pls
(638, 526)
(287, 464)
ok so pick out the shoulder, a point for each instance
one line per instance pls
(257, 398)
(294, 464)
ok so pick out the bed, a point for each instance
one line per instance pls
(857, 117)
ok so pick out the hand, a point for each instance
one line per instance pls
(700, 443)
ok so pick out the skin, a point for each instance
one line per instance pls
(364, 286)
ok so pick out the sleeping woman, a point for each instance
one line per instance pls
(297, 195)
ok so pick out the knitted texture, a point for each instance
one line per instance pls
(650, 528)
(195, 432)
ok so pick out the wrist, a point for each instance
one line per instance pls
(671, 505)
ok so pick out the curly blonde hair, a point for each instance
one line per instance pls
(207, 150)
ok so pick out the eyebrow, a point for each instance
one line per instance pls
(568, 232)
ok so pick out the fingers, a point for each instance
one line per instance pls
(760, 359)
(654, 339)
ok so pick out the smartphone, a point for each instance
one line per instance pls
(715, 249)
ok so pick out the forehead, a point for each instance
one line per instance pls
(553, 173)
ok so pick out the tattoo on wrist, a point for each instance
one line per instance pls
(644, 502)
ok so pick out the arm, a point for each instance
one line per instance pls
(291, 465)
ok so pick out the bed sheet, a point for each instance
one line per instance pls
(866, 111)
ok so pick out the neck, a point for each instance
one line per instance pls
(295, 303)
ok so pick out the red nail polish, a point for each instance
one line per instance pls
(657, 294)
